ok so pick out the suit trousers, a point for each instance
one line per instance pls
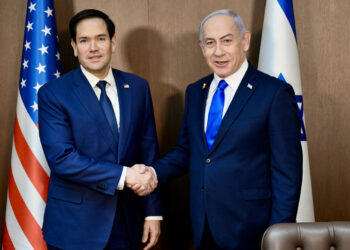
(120, 238)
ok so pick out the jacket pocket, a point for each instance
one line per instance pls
(66, 194)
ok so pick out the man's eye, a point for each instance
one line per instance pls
(228, 41)
(82, 41)
(209, 43)
(102, 38)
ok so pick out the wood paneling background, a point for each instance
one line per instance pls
(158, 40)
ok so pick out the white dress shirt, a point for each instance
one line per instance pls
(233, 82)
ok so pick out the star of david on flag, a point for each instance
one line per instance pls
(299, 99)
(29, 173)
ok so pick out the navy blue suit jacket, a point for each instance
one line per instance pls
(85, 167)
(251, 177)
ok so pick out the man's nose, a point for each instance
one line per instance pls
(218, 50)
(93, 46)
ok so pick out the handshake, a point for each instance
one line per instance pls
(141, 179)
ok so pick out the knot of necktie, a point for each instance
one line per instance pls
(222, 85)
(102, 85)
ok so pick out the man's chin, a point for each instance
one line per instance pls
(221, 74)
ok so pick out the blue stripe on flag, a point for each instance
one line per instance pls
(287, 7)
(300, 103)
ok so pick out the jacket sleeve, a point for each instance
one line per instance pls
(176, 162)
(64, 158)
(150, 153)
(285, 155)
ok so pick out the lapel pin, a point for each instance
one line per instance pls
(204, 85)
(249, 86)
(126, 86)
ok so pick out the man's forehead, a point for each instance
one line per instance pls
(219, 22)
(220, 31)
(95, 26)
(95, 21)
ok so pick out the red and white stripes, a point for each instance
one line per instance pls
(28, 186)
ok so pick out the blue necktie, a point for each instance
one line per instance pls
(108, 109)
(215, 113)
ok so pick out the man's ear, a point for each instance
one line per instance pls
(114, 43)
(202, 46)
(74, 46)
(246, 41)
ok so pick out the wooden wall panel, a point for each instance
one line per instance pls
(158, 39)
(12, 18)
(323, 30)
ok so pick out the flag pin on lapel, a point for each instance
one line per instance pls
(204, 85)
(249, 86)
(126, 86)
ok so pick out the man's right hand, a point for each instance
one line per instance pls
(141, 179)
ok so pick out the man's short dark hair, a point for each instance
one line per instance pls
(90, 13)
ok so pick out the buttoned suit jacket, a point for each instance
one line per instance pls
(251, 177)
(85, 165)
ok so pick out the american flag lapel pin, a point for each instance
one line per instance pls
(126, 86)
(204, 85)
(249, 86)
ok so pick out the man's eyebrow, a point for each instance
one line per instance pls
(224, 36)
(227, 35)
(85, 37)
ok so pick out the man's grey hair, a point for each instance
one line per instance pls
(237, 19)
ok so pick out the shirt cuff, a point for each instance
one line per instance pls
(154, 218)
(121, 182)
(154, 172)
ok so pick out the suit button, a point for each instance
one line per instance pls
(202, 188)
(207, 160)
(101, 188)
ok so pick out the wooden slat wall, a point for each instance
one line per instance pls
(158, 40)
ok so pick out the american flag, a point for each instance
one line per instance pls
(29, 173)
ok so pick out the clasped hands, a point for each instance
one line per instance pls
(141, 179)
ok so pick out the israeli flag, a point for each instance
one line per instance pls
(279, 57)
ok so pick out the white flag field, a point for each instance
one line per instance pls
(279, 57)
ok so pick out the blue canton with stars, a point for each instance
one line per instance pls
(299, 99)
(40, 57)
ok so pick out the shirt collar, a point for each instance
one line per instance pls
(93, 80)
(235, 79)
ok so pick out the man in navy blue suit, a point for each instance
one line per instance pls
(95, 123)
(239, 141)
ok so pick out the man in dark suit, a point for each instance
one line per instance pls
(240, 142)
(95, 122)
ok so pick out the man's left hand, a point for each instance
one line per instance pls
(151, 232)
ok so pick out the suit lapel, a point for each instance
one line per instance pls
(241, 97)
(88, 99)
(125, 109)
(203, 101)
